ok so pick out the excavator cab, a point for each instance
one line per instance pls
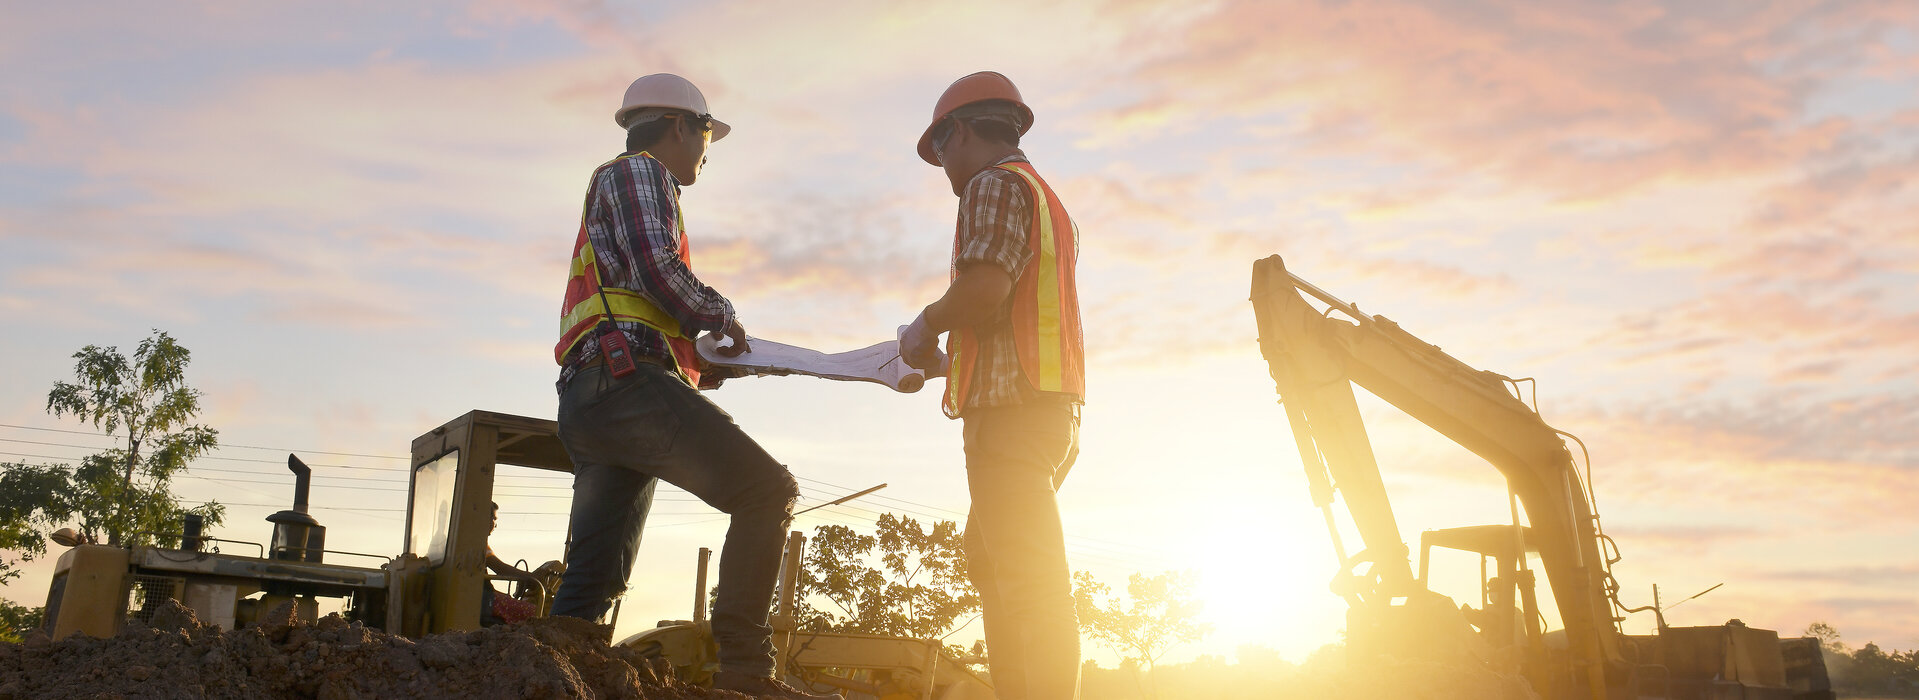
(1508, 604)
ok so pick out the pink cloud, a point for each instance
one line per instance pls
(1429, 278)
(1842, 463)
(1903, 575)
(1681, 539)
(1579, 99)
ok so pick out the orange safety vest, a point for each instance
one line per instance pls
(1046, 330)
(581, 311)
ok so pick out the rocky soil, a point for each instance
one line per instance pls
(178, 657)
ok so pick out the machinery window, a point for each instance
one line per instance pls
(146, 593)
(432, 510)
(54, 593)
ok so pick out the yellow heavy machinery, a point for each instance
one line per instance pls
(1316, 358)
(862, 666)
(436, 583)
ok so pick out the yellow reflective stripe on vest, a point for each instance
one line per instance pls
(953, 384)
(627, 305)
(1048, 312)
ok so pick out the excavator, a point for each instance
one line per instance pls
(1316, 357)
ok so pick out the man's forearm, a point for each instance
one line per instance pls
(970, 299)
(679, 293)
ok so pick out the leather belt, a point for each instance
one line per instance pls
(661, 362)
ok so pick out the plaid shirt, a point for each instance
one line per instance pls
(995, 225)
(632, 221)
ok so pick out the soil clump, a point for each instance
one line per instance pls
(177, 656)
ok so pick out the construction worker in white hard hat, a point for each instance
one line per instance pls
(1015, 378)
(630, 411)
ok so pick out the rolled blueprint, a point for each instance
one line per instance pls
(879, 363)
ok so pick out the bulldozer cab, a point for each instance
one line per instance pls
(440, 576)
(434, 585)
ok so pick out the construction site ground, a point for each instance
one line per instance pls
(176, 656)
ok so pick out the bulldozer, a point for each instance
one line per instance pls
(438, 581)
(1316, 358)
(435, 584)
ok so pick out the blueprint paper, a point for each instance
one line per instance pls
(879, 363)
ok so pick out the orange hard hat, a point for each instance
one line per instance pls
(978, 87)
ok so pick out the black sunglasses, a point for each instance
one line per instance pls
(701, 122)
(942, 133)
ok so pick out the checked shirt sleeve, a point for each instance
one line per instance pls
(995, 214)
(638, 213)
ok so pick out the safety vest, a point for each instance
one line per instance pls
(582, 310)
(1045, 318)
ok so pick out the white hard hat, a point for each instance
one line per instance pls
(669, 91)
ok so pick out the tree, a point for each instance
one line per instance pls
(1827, 635)
(33, 500)
(1868, 669)
(1159, 616)
(17, 620)
(918, 590)
(123, 493)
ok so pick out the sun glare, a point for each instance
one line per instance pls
(1270, 592)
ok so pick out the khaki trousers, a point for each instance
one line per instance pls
(1016, 458)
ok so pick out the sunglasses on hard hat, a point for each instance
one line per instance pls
(700, 122)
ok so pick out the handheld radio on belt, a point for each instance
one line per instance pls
(613, 347)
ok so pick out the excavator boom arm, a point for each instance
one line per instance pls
(1315, 359)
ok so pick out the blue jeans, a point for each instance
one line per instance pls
(624, 435)
(1016, 459)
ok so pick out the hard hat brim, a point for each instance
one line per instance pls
(926, 137)
(720, 128)
(926, 145)
(976, 87)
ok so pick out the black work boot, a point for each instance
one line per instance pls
(764, 688)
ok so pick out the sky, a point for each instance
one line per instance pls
(1694, 223)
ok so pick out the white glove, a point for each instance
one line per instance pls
(920, 349)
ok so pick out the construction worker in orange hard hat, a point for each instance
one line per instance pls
(630, 412)
(1015, 368)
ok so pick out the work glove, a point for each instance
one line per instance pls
(919, 348)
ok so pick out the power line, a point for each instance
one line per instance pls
(250, 447)
(1114, 547)
(398, 476)
(283, 506)
(369, 488)
(315, 452)
(53, 430)
(23, 454)
(286, 474)
(54, 444)
(865, 516)
(388, 470)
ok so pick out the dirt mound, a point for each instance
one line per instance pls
(177, 656)
(1416, 680)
